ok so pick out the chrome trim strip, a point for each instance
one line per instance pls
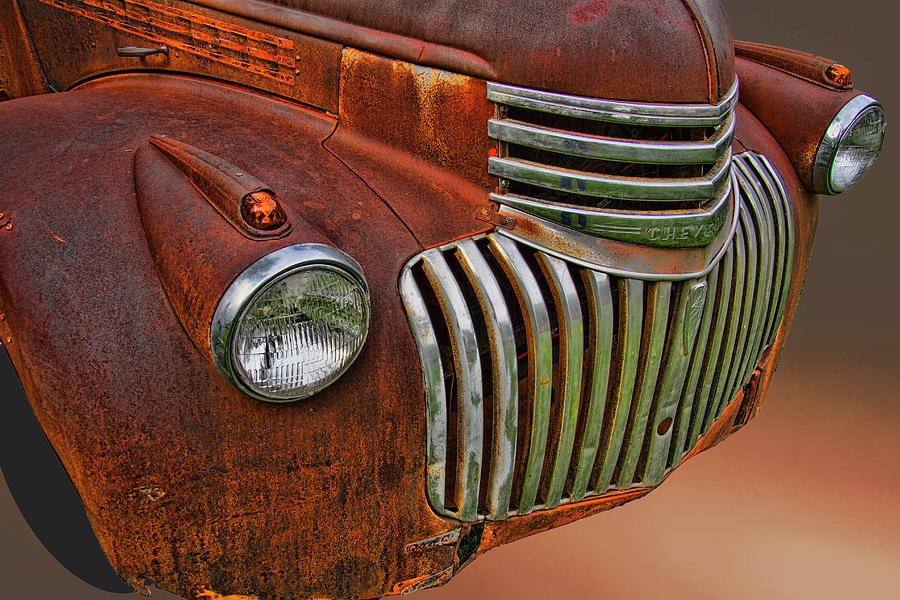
(696, 115)
(600, 311)
(831, 140)
(435, 393)
(540, 361)
(667, 229)
(657, 323)
(610, 186)
(615, 149)
(631, 310)
(571, 352)
(505, 377)
(468, 377)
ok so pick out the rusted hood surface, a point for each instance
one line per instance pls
(651, 50)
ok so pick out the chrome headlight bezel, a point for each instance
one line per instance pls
(842, 124)
(255, 280)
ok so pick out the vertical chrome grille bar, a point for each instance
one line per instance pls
(468, 377)
(540, 361)
(600, 308)
(785, 235)
(687, 404)
(761, 307)
(657, 321)
(435, 393)
(751, 282)
(734, 312)
(726, 287)
(571, 352)
(680, 349)
(779, 247)
(631, 307)
(661, 362)
(505, 377)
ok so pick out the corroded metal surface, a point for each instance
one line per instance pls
(684, 49)
(128, 401)
(205, 492)
(77, 40)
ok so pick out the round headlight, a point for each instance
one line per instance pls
(292, 323)
(850, 146)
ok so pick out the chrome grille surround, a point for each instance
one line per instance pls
(548, 382)
(604, 167)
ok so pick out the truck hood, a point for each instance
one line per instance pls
(644, 50)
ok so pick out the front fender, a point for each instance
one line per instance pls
(183, 477)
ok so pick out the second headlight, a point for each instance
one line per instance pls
(850, 146)
(291, 323)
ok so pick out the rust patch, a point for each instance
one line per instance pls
(206, 594)
(420, 583)
(151, 493)
(267, 55)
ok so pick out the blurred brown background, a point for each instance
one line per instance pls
(805, 501)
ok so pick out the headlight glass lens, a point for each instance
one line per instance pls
(857, 149)
(300, 332)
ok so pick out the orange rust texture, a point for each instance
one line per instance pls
(188, 483)
(205, 594)
(193, 32)
(418, 137)
(77, 39)
(20, 72)
(801, 115)
(436, 115)
(814, 69)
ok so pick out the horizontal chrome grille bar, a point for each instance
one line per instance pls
(692, 115)
(589, 158)
(605, 148)
(547, 382)
(610, 186)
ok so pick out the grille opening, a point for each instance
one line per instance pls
(695, 405)
(625, 131)
(670, 147)
(708, 363)
(606, 167)
(519, 188)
